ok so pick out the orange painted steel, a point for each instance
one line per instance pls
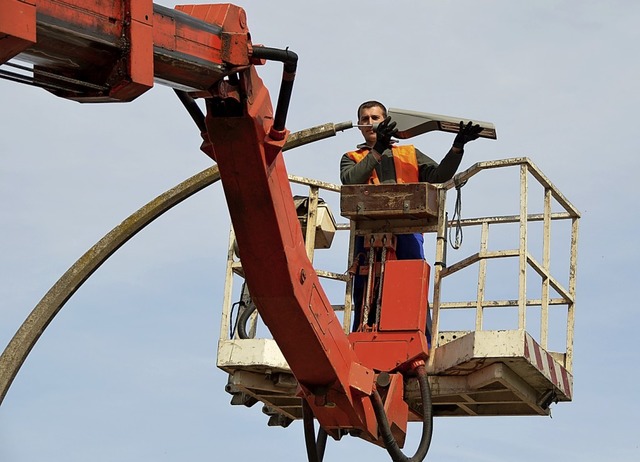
(284, 284)
(114, 51)
(405, 285)
(123, 46)
(17, 27)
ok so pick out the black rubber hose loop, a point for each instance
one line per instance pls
(193, 109)
(315, 448)
(427, 422)
(243, 319)
(290, 60)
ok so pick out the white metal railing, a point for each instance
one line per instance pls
(234, 265)
(526, 261)
(565, 293)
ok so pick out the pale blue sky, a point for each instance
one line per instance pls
(126, 372)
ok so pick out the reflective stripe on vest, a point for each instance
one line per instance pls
(404, 161)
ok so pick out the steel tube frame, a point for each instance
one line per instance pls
(525, 259)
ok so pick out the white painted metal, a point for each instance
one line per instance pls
(311, 219)
(472, 373)
(256, 354)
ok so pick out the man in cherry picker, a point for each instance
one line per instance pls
(380, 160)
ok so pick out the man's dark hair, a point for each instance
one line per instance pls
(372, 103)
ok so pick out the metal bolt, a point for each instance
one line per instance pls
(383, 379)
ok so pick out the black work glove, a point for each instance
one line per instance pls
(466, 133)
(384, 131)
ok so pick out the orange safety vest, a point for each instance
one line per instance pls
(404, 160)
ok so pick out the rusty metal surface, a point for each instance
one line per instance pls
(389, 201)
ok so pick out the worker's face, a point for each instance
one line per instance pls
(370, 116)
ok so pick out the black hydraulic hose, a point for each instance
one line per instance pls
(290, 60)
(321, 443)
(193, 109)
(427, 422)
(315, 448)
(243, 319)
